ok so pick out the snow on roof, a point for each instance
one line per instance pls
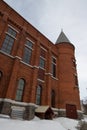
(42, 109)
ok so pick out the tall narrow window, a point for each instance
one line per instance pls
(74, 62)
(20, 88)
(0, 74)
(41, 71)
(53, 98)
(42, 58)
(9, 40)
(28, 52)
(38, 95)
(53, 65)
(76, 80)
(42, 62)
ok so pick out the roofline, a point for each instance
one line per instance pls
(28, 22)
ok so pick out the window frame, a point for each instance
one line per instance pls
(27, 52)
(42, 62)
(38, 94)
(20, 91)
(76, 80)
(9, 40)
(53, 66)
(53, 98)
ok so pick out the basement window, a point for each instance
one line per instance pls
(17, 112)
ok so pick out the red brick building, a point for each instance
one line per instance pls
(35, 71)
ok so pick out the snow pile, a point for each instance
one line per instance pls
(84, 101)
(85, 118)
(37, 124)
(4, 116)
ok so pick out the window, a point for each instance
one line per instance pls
(41, 71)
(27, 52)
(0, 74)
(42, 52)
(42, 62)
(27, 55)
(53, 67)
(38, 95)
(29, 44)
(74, 62)
(20, 88)
(9, 41)
(53, 98)
(42, 57)
(12, 32)
(76, 80)
(41, 74)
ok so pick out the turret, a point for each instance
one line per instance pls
(67, 75)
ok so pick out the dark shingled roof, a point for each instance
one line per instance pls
(62, 38)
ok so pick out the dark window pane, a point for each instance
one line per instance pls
(20, 89)
(27, 55)
(9, 40)
(1, 74)
(54, 60)
(7, 44)
(38, 95)
(42, 63)
(53, 98)
(76, 81)
(53, 70)
(29, 43)
(12, 32)
(41, 74)
(53, 67)
(42, 53)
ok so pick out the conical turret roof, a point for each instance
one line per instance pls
(62, 38)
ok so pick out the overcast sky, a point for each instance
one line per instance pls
(50, 16)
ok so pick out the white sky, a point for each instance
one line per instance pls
(50, 16)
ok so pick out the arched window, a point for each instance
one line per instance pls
(38, 95)
(20, 88)
(53, 98)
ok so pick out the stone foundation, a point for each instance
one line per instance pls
(80, 115)
(6, 108)
(62, 113)
(27, 110)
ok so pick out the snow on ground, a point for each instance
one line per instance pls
(85, 118)
(37, 124)
(68, 124)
